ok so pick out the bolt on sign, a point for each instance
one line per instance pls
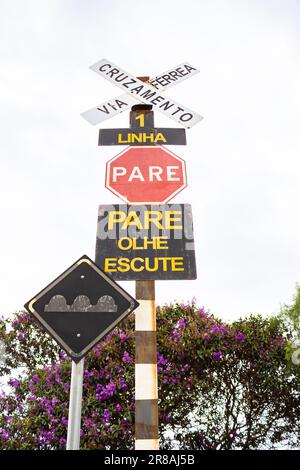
(146, 242)
(142, 132)
(146, 175)
(138, 91)
(80, 307)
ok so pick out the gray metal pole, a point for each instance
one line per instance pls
(74, 420)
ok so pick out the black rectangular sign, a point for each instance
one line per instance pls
(143, 242)
(142, 132)
(154, 136)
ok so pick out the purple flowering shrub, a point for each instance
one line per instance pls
(221, 386)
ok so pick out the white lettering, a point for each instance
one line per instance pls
(136, 173)
(171, 172)
(118, 171)
(155, 171)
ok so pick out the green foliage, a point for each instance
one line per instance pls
(221, 386)
(291, 314)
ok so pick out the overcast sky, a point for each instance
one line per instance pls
(243, 159)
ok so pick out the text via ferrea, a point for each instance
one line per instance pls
(143, 242)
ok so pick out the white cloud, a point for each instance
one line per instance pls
(242, 160)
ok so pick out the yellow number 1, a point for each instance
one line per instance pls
(141, 118)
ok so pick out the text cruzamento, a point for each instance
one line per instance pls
(145, 92)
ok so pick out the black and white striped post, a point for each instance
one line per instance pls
(146, 387)
(146, 394)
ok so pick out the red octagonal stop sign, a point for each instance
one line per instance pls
(145, 175)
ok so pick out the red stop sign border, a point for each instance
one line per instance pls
(183, 184)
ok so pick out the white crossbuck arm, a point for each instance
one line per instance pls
(138, 91)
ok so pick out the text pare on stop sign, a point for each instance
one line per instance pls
(152, 173)
(145, 175)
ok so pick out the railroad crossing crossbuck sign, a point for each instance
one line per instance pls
(80, 307)
(138, 91)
